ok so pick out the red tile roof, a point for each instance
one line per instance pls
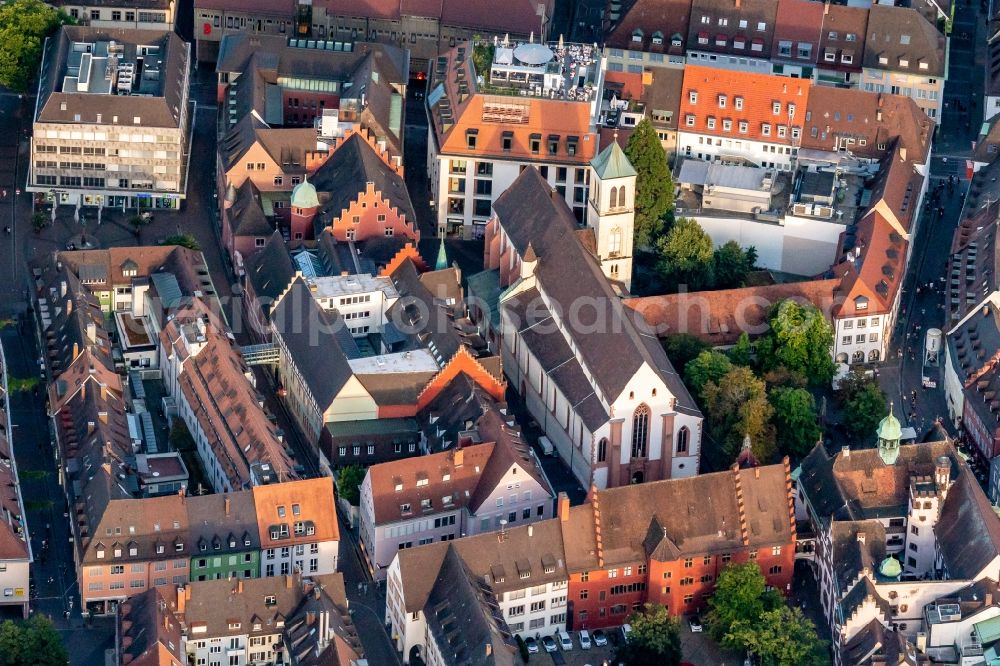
(800, 22)
(873, 271)
(757, 94)
(719, 317)
(315, 500)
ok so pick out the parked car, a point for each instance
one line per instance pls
(695, 623)
(565, 642)
(549, 644)
(600, 638)
(626, 629)
(584, 639)
(531, 644)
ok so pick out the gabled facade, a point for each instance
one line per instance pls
(493, 483)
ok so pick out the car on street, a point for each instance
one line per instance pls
(531, 644)
(626, 630)
(549, 644)
(565, 642)
(600, 638)
(584, 639)
(695, 623)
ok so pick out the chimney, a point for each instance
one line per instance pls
(756, 472)
(531, 531)
(62, 288)
(988, 599)
(826, 7)
(563, 507)
(183, 595)
(225, 504)
(942, 475)
(458, 457)
(738, 4)
(846, 452)
(489, 646)
(104, 391)
(311, 618)
(69, 306)
(902, 154)
(91, 330)
(76, 350)
(861, 537)
(239, 586)
(288, 581)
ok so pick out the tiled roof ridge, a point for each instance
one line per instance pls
(786, 463)
(740, 505)
(595, 504)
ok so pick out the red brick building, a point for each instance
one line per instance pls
(667, 542)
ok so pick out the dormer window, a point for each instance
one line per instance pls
(727, 125)
(883, 60)
(722, 101)
(425, 505)
(133, 551)
(782, 130)
(903, 62)
(744, 127)
(776, 108)
(923, 65)
(676, 40)
(100, 553)
(281, 512)
(404, 508)
(657, 38)
(765, 129)
(791, 110)
(738, 103)
(470, 138)
(693, 96)
(296, 510)
(637, 36)
(689, 120)
(832, 35)
(861, 303)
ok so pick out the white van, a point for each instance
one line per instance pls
(565, 642)
(546, 444)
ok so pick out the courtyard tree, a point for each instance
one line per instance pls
(654, 187)
(795, 423)
(864, 404)
(708, 366)
(731, 264)
(782, 636)
(348, 483)
(682, 348)
(655, 639)
(740, 593)
(24, 25)
(184, 240)
(736, 407)
(800, 339)
(684, 256)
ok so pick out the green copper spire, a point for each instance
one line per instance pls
(442, 260)
(889, 434)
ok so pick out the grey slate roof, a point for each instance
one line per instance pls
(968, 531)
(346, 175)
(318, 342)
(162, 110)
(270, 271)
(246, 217)
(530, 212)
(464, 618)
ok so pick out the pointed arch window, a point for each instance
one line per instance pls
(640, 431)
(683, 439)
(615, 241)
(602, 450)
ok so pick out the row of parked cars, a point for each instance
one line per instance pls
(562, 640)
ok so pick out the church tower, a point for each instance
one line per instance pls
(611, 211)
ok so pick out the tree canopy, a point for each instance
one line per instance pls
(781, 637)
(654, 187)
(348, 481)
(744, 615)
(864, 404)
(655, 639)
(795, 423)
(685, 256)
(682, 348)
(740, 353)
(730, 265)
(736, 406)
(24, 25)
(34, 642)
(800, 339)
(740, 592)
(708, 366)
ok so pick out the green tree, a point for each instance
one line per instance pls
(22, 384)
(24, 25)
(782, 376)
(741, 354)
(684, 255)
(184, 240)
(740, 593)
(735, 406)
(708, 366)
(348, 481)
(34, 642)
(795, 423)
(655, 639)
(800, 339)
(683, 348)
(654, 187)
(782, 636)
(731, 263)
(864, 409)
